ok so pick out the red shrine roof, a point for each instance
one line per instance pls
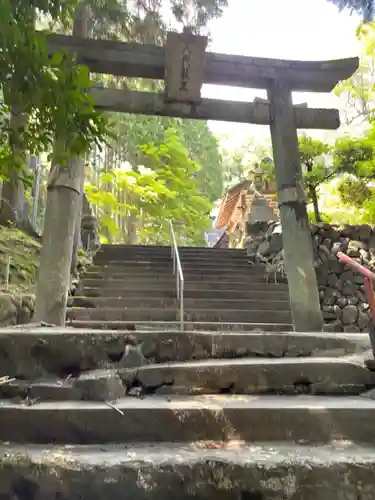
(236, 201)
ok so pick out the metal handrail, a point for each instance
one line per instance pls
(177, 270)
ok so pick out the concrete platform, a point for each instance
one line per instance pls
(293, 420)
(30, 352)
(208, 471)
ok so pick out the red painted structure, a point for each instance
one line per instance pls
(369, 289)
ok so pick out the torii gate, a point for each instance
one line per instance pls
(184, 65)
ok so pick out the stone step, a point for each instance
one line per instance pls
(253, 376)
(173, 303)
(172, 314)
(170, 292)
(30, 352)
(204, 470)
(216, 284)
(235, 277)
(115, 254)
(205, 263)
(123, 272)
(211, 326)
(167, 249)
(158, 419)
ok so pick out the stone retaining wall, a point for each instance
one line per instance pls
(341, 290)
(17, 307)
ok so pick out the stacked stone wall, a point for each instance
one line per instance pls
(342, 295)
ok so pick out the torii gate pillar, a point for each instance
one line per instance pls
(297, 242)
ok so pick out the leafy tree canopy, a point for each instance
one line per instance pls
(51, 91)
(366, 8)
(162, 185)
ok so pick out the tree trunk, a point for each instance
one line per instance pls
(63, 194)
(13, 198)
(132, 228)
(314, 199)
(35, 161)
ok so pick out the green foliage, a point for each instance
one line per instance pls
(353, 191)
(132, 131)
(163, 187)
(364, 7)
(355, 158)
(23, 255)
(239, 162)
(53, 92)
(203, 147)
(315, 171)
(359, 89)
(310, 149)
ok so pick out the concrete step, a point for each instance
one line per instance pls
(307, 419)
(211, 326)
(216, 284)
(209, 471)
(170, 292)
(329, 376)
(172, 314)
(173, 303)
(30, 352)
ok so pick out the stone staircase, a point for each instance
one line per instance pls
(134, 286)
(251, 412)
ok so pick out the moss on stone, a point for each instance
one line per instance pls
(23, 253)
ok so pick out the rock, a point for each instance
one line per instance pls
(335, 326)
(363, 320)
(256, 228)
(351, 329)
(359, 279)
(349, 290)
(347, 276)
(342, 302)
(332, 280)
(364, 232)
(329, 312)
(8, 310)
(132, 357)
(336, 247)
(368, 394)
(100, 385)
(327, 243)
(352, 300)
(349, 315)
(353, 248)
